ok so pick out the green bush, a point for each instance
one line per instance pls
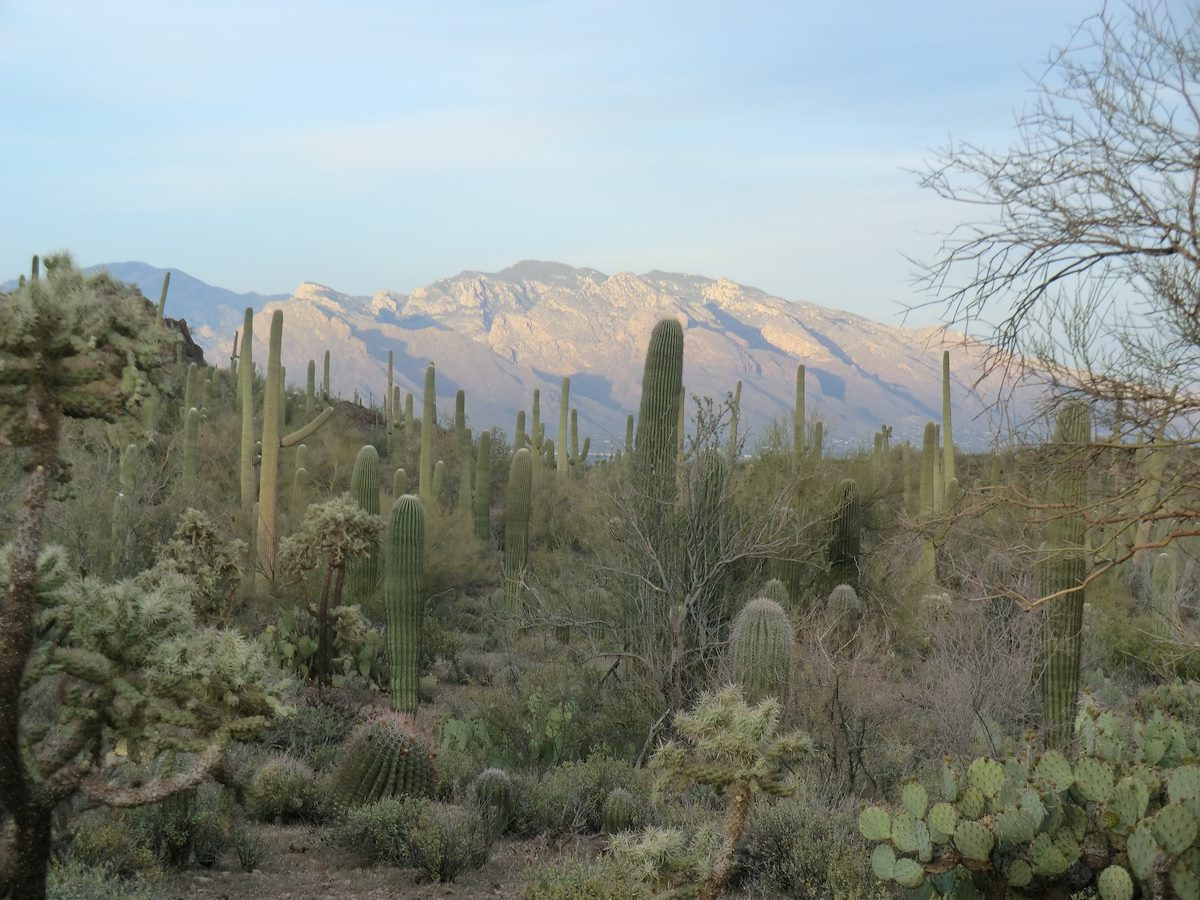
(807, 846)
(447, 840)
(379, 831)
(285, 790)
(313, 732)
(72, 879)
(186, 825)
(248, 846)
(105, 838)
(578, 879)
(569, 799)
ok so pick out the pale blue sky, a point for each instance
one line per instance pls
(371, 145)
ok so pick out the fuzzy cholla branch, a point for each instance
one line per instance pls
(331, 532)
(735, 747)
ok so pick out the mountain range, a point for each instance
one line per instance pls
(500, 335)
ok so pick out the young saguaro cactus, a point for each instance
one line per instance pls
(761, 649)
(325, 379)
(246, 395)
(364, 488)
(463, 444)
(563, 455)
(403, 602)
(798, 438)
(191, 436)
(1062, 576)
(516, 527)
(310, 389)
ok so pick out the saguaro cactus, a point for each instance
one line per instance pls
(798, 441)
(483, 486)
(735, 411)
(364, 488)
(428, 424)
(516, 527)
(272, 442)
(563, 455)
(948, 471)
(1062, 575)
(402, 599)
(325, 379)
(761, 648)
(160, 313)
(846, 542)
(310, 389)
(191, 435)
(246, 394)
(658, 414)
(463, 445)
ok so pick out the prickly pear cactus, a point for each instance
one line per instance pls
(387, 756)
(1123, 815)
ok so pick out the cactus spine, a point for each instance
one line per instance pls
(516, 527)
(761, 648)
(364, 488)
(1062, 576)
(246, 394)
(402, 599)
(483, 487)
(428, 423)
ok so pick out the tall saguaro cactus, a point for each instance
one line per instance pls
(516, 527)
(325, 379)
(403, 603)
(948, 470)
(191, 436)
(428, 424)
(846, 543)
(483, 486)
(563, 456)
(462, 444)
(246, 394)
(798, 423)
(310, 389)
(1062, 576)
(364, 488)
(654, 454)
(267, 539)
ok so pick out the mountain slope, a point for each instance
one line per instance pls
(500, 335)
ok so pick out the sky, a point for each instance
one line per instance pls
(367, 145)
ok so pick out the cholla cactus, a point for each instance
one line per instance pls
(734, 748)
(1123, 810)
(198, 553)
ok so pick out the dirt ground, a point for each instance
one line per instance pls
(299, 863)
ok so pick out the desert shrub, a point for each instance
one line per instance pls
(72, 879)
(184, 825)
(247, 845)
(579, 879)
(104, 838)
(806, 846)
(313, 732)
(379, 831)
(455, 771)
(454, 558)
(569, 798)
(285, 789)
(447, 840)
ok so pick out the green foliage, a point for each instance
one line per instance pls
(570, 798)
(208, 561)
(379, 831)
(445, 841)
(358, 647)
(286, 790)
(107, 838)
(572, 878)
(72, 879)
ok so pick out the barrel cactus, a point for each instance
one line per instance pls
(761, 650)
(844, 609)
(494, 792)
(386, 756)
(622, 812)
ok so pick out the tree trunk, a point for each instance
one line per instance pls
(32, 855)
(736, 814)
